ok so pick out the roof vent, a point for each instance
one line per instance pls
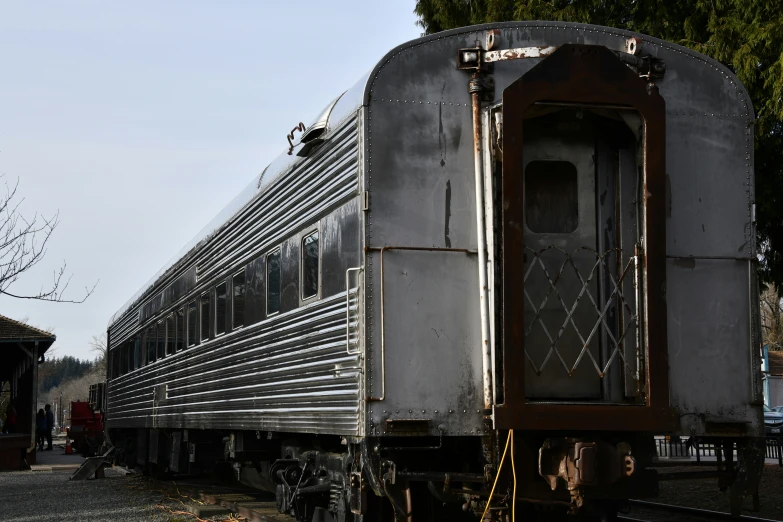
(311, 137)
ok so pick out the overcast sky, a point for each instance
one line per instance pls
(139, 121)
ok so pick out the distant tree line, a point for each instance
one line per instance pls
(55, 371)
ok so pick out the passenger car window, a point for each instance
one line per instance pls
(220, 309)
(191, 324)
(124, 358)
(138, 349)
(151, 341)
(238, 300)
(310, 265)
(273, 282)
(161, 340)
(171, 335)
(180, 330)
(551, 197)
(205, 316)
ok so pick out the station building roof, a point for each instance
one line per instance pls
(17, 340)
(16, 331)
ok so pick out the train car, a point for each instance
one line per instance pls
(477, 285)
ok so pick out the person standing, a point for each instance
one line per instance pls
(10, 419)
(40, 429)
(49, 426)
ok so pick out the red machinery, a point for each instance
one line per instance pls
(86, 426)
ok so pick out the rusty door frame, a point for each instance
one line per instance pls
(584, 74)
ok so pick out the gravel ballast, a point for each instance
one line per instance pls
(28, 496)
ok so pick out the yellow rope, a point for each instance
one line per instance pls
(509, 440)
(514, 473)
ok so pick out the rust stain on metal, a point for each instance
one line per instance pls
(518, 53)
(595, 76)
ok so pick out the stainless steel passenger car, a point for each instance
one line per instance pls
(537, 235)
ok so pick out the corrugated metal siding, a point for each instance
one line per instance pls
(278, 374)
(329, 177)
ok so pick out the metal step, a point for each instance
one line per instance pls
(93, 466)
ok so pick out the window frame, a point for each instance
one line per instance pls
(138, 351)
(202, 323)
(244, 299)
(530, 192)
(188, 339)
(170, 348)
(128, 358)
(279, 251)
(160, 351)
(125, 358)
(315, 229)
(180, 342)
(152, 343)
(225, 309)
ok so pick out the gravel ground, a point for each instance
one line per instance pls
(50, 497)
(704, 494)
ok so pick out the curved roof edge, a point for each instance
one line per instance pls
(711, 62)
(339, 109)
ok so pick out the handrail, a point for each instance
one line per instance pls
(348, 309)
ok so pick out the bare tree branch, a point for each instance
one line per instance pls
(23, 245)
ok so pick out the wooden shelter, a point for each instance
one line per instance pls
(22, 349)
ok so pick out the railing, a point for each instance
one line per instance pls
(773, 449)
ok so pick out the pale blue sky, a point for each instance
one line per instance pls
(140, 120)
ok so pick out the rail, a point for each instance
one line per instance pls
(674, 449)
(644, 509)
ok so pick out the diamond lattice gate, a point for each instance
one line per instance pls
(582, 336)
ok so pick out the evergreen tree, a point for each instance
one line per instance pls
(54, 371)
(745, 35)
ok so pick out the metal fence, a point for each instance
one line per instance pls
(690, 448)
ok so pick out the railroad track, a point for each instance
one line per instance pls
(643, 511)
(251, 505)
(255, 506)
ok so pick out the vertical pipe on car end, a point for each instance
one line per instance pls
(474, 88)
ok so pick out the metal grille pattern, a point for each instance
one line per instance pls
(616, 337)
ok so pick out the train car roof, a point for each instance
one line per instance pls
(351, 100)
(333, 114)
